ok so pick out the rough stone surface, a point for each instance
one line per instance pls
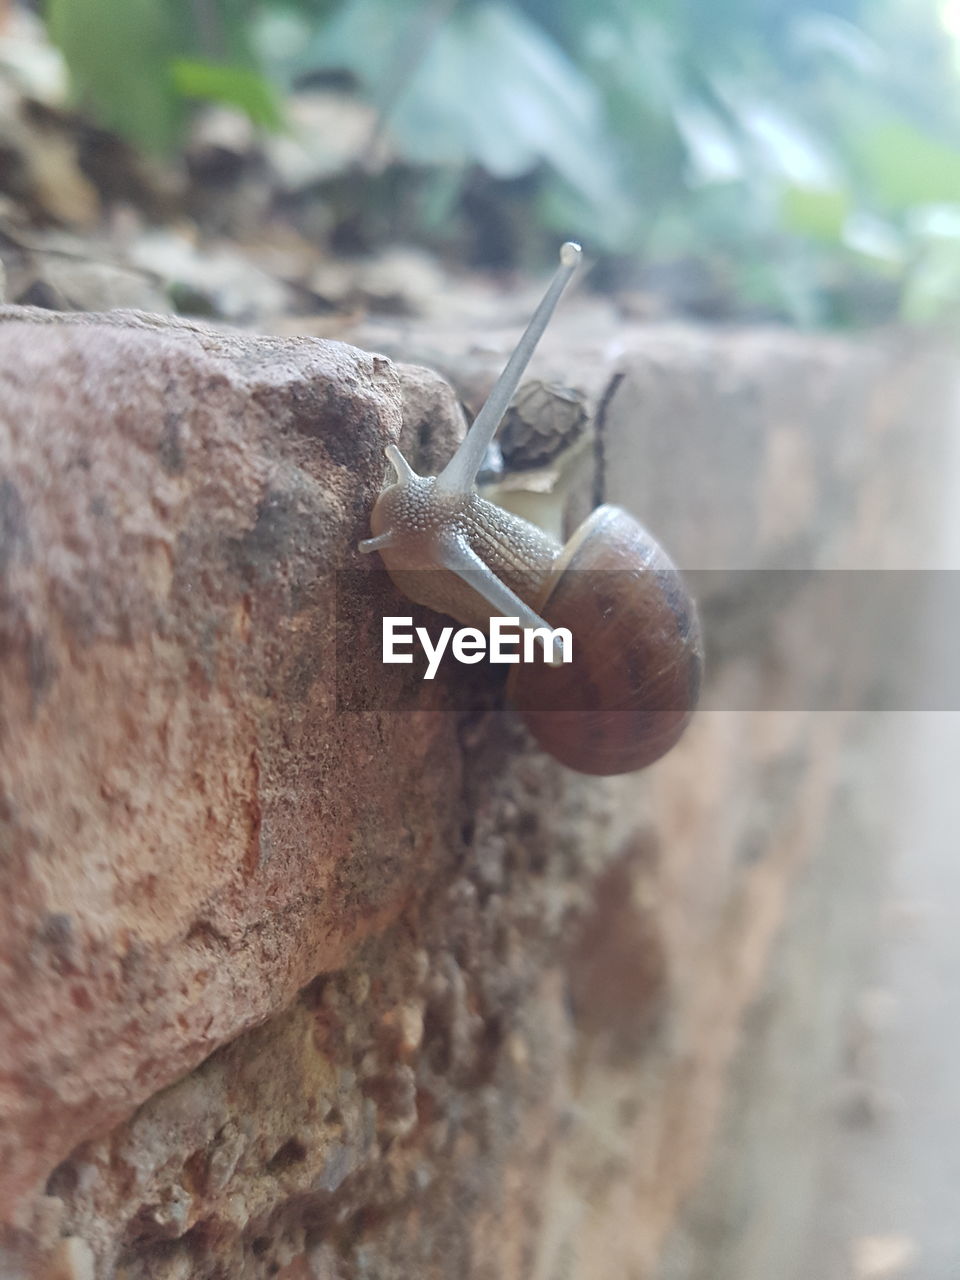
(293, 992)
(179, 828)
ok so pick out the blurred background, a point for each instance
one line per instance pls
(307, 166)
(771, 159)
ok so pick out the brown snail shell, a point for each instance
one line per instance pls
(635, 677)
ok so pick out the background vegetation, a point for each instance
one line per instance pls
(795, 158)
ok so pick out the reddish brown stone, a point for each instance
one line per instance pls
(188, 825)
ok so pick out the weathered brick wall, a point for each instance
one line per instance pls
(286, 991)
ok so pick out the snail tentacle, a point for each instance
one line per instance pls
(405, 473)
(460, 473)
(367, 545)
(459, 557)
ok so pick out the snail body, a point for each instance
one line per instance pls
(634, 680)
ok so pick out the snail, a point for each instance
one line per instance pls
(634, 680)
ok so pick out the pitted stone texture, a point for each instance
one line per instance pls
(189, 829)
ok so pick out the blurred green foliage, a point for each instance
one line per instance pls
(137, 64)
(806, 153)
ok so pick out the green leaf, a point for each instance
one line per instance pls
(780, 141)
(365, 37)
(907, 167)
(486, 86)
(119, 53)
(817, 212)
(714, 155)
(231, 86)
(877, 243)
(932, 290)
